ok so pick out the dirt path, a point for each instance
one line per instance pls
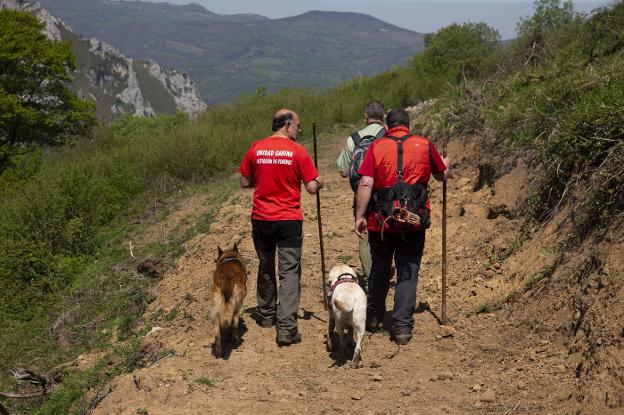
(488, 365)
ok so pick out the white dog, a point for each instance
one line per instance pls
(347, 309)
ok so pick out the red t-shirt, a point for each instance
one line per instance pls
(278, 166)
(420, 159)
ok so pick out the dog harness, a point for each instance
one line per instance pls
(339, 281)
(232, 258)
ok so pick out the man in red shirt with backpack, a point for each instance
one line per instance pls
(392, 204)
(275, 167)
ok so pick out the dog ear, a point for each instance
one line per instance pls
(219, 251)
(235, 247)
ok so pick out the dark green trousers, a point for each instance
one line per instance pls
(279, 304)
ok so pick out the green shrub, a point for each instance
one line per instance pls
(566, 106)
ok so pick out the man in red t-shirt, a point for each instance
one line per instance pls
(275, 167)
(380, 170)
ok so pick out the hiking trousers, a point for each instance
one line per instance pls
(407, 249)
(364, 251)
(280, 307)
(365, 256)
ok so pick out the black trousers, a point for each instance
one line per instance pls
(287, 237)
(406, 249)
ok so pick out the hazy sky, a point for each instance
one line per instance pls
(419, 15)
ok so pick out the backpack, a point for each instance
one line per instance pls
(402, 206)
(361, 145)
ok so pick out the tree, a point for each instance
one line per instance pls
(37, 108)
(548, 15)
(460, 50)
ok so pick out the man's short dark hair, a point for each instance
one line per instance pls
(397, 117)
(281, 121)
(374, 110)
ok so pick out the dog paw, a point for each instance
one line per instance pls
(356, 363)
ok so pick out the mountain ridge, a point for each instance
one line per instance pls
(233, 55)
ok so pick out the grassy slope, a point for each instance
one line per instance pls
(559, 105)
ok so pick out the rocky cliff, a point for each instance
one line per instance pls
(116, 84)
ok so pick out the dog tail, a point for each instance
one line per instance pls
(222, 310)
(343, 306)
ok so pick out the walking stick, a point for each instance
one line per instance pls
(320, 222)
(444, 241)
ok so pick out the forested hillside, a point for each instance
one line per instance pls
(233, 55)
(549, 103)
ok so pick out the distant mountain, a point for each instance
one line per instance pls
(117, 85)
(232, 55)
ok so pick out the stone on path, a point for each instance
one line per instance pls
(447, 331)
(489, 395)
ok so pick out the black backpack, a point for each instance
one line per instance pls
(361, 145)
(402, 206)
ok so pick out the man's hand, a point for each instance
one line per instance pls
(442, 177)
(362, 197)
(314, 185)
(246, 182)
(360, 227)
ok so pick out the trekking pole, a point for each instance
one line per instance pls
(320, 222)
(444, 241)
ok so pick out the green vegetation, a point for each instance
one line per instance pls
(36, 106)
(460, 51)
(121, 359)
(559, 92)
(205, 380)
(556, 92)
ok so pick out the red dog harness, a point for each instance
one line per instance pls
(339, 281)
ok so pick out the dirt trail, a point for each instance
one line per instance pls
(490, 364)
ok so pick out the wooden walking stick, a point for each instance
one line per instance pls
(444, 241)
(320, 222)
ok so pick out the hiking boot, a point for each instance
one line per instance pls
(374, 325)
(287, 339)
(266, 323)
(402, 339)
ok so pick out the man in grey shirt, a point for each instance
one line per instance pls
(374, 118)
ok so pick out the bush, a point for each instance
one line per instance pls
(566, 105)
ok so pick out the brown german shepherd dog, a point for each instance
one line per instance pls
(229, 289)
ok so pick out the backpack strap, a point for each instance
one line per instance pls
(400, 141)
(357, 138)
(381, 133)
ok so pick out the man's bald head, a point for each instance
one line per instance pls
(281, 118)
(286, 123)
